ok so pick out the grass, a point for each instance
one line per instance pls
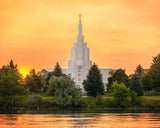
(48, 98)
(152, 93)
(86, 102)
(157, 98)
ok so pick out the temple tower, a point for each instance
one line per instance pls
(79, 64)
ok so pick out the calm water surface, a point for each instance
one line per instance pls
(81, 120)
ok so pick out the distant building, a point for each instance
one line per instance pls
(80, 63)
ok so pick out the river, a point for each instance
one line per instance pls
(81, 120)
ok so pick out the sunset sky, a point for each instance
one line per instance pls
(119, 33)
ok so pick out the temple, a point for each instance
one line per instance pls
(79, 64)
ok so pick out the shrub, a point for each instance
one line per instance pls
(109, 103)
(135, 101)
(34, 101)
(121, 94)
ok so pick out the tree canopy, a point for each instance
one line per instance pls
(139, 70)
(94, 85)
(33, 81)
(154, 73)
(57, 72)
(136, 85)
(10, 83)
(62, 87)
(121, 94)
(156, 59)
(119, 76)
(146, 82)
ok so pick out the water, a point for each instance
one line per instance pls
(81, 120)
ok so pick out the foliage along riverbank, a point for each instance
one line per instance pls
(47, 103)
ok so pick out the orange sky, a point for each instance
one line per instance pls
(119, 33)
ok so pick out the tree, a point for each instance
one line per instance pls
(10, 86)
(121, 94)
(135, 85)
(33, 81)
(12, 66)
(119, 76)
(154, 73)
(139, 70)
(62, 87)
(146, 82)
(156, 59)
(34, 101)
(93, 85)
(5, 69)
(57, 70)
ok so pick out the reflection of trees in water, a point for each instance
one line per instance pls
(83, 119)
(120, 120)
(9, 119)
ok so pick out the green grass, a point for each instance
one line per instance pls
(151, 101)
(151, 98)
(151, 93)
(48, 98)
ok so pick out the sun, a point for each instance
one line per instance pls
(24, 70)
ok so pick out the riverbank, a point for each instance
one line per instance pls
(102, 103)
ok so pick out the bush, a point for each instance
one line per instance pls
(109, 103)
(135, 100)
(34, 101)
(121, 94)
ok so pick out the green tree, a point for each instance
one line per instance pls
(62, 87)
(5, 69)
(156, 59)
(34, 101)
(121, 94)
(93, 85)
(49, 75)
(12, 66)
(57, 70)
(139, 70)
(154, 73)
(146, 82)
(135, 85)
(33, 81)
(11, 85)
(119, 76)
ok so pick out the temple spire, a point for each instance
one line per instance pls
(79, 17)
(79, 26)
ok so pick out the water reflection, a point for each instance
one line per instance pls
(81, 120)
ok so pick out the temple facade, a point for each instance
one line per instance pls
(80, 63)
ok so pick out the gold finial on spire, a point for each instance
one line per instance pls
(79, 16)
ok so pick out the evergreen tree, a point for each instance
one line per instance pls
(5, 69)
(146, 82)
(154, 73)
(156, 59)
(139, 70)
(12, 66)
(93, 85)
(33, 81)
(57, 70)
(119, 76)
(135, 85)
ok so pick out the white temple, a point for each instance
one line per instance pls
(80, 64)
